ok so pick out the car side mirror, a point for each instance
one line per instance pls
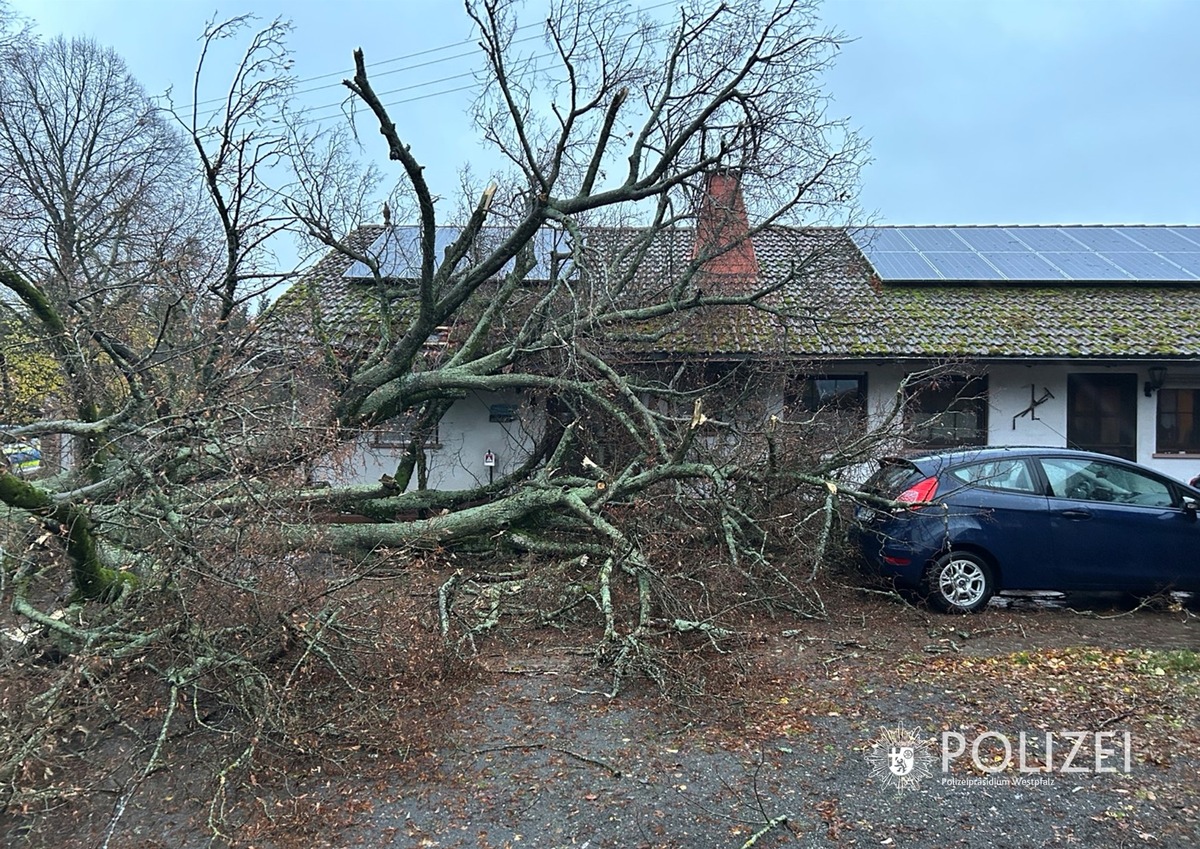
(1190, 506)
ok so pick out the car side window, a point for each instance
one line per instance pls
(1092, 480)
(1008, 474)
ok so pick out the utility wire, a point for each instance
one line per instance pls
(322, 114)
(329, 110)
(405, 56)
(381, 63)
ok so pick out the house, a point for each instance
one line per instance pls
(989, 335)
(337, 305)
(1081, 335)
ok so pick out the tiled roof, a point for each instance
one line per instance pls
(867, 318)
(835, 308)
(325, 304)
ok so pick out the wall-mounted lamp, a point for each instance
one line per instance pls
(1158, 376)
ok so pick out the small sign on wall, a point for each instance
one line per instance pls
(489, 459)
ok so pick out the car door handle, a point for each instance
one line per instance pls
(1076, 514)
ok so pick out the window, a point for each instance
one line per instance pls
(834, 405)
(1178, 425)
(1087, 480)
(948, 411)
(893, 477)
(997, 474)
(398, 433)
(838, 392)
(1102, 413)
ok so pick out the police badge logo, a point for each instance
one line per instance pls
(900, 759)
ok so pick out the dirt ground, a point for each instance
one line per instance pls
(535, 753)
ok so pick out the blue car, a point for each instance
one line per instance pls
(984, 520)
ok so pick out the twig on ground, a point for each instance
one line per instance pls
(762, 832)
(1117, 718)
(891, 594)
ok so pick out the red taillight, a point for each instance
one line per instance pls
(919, 492)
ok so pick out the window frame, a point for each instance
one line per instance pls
(798, 395)
(842, 416)
(974, 390)
(1102, 413)
(1181, 448)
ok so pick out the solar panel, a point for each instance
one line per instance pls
(1026, 266)
(1101, 238)
(1147, 266)
(897, 265)
(1044, 238)
(882, 239)
(1190, 234)
(1087, 253)
(1086, 265)
(935, 239)
(1189, 262)
(1159, 239)
(989, 239)
(398, 251)
(958, 265)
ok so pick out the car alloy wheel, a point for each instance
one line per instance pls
(960, 583)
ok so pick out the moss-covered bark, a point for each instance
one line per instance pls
(93, 580)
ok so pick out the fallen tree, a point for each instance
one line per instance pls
(181, 546)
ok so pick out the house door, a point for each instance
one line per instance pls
(1102, 413)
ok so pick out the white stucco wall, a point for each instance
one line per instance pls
(1009, 394)
(465, 436)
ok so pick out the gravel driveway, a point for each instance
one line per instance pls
(525, 749)
(538, 758)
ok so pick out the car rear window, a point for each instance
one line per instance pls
(892, 478)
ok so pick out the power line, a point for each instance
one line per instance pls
(401, 102)
(321, 113)
(346, 72)
(420, 85)
(406, 56)
(464, 55)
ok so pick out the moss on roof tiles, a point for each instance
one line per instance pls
(834, 309)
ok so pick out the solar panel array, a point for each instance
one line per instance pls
(1030, 254)
(398, 251)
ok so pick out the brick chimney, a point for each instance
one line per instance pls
(722, 230)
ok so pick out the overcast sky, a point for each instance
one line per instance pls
(979, 111)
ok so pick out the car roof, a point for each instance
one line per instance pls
(994, 452)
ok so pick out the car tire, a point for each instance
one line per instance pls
(960, 582)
